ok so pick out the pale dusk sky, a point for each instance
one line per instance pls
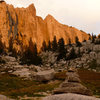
(82, 14)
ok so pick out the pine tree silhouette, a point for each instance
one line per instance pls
(69, 42)
(72, 54)
(54, 44)
(78, 44)
(61, 49)
(49, 48)
(30, 55)
(44, 46)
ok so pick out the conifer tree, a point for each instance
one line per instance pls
(72, 54)
(54, 44)
(78, 44)
(30, 55)
(69, 42)
(49, 46)
(61, 49)
(44, 46)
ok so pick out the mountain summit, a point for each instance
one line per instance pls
(22, 24)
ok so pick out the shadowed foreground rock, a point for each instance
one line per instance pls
(2, 97)
(70, 96)
(72, 84)
(72, 88)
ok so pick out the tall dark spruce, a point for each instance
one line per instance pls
(61, 49)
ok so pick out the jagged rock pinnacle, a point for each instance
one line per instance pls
(23, 24)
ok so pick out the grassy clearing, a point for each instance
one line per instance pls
(91, 80)
(13, 86)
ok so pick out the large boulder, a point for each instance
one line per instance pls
(70, 87)
(45, 75)
(70, 96)
(24, 73)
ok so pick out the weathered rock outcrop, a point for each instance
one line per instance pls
(72, 84)
(23, 24)
(69, 96)
(44, 76)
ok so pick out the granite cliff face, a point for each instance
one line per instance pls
(23, 24)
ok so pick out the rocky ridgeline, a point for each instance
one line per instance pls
(25, 23)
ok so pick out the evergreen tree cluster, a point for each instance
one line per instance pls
(55, 47)
(59, 47)
(30, 55)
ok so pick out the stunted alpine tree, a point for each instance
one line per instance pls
(44, 46)
(69, 42)
(49, 46)
(54, 44)
(78, 44)
(61, 49)
(72, 54)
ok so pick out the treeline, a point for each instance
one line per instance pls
(61, 49)
(30, 55)
(27, 55)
